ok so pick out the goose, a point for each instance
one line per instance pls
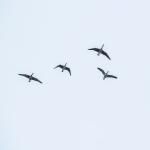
(106, 74)
(30, 77)
(100, 51)
(64, 68)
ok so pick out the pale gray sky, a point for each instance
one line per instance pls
(82, 111)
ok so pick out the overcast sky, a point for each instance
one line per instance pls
(82, 111)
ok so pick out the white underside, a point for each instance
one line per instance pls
(100, 51)
(64, 68)
(105, 76)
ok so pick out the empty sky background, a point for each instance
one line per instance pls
(82, 111)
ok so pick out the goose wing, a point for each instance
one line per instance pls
(59, 66)
(94, 49)
(101, 70)
(35, 79)
(25, 75)
(68, 69)
(104, 53)
(111, 76)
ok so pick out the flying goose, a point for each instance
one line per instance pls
(64, 68)
(100, 51)
(106, 74)
(30, 77)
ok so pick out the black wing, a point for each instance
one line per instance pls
(101, 70)
(68, 69)
(25, 75)
(94, 49)
(35, 79)
(111, 76)
(59, 66)
(104, 53)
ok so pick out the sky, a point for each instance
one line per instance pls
(81, 111)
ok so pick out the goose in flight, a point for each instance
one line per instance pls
(106, 74)
(64, 68)
(30, 77)
(100, 51)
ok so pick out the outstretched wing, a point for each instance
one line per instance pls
(101, 70)
(104, 53)
(25, 75)
(59, 66)
(111, 76)
(35, 79)
(94, 49)
(68, 69)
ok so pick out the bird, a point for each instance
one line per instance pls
(30, 77)
(106, 74)
(100, 51)
(64, 68)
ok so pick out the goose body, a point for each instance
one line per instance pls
(30, 77)
(106, 74)
(64, 68)
(100, 51)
